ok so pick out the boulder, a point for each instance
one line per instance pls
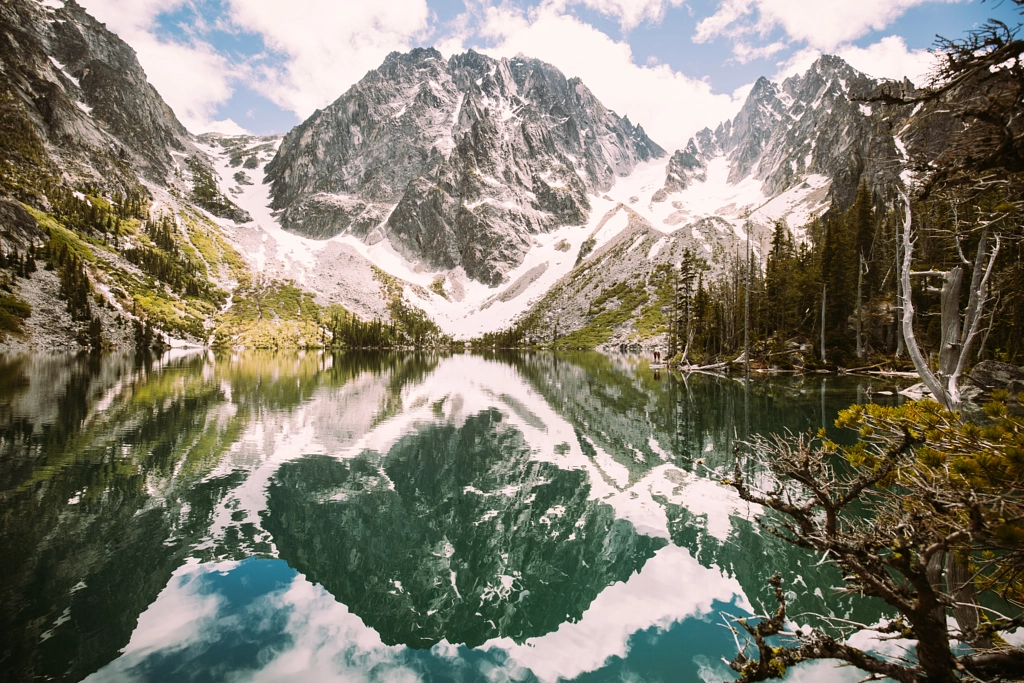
(18, 229)
(1015, 388)
(991, 374)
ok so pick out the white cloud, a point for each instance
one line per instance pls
(227, 127)
(820, 24)
(195, 97)
(888, 58)
(824, 670)
(669, 105)
(172, 623)
(328, 643)
(797, 64)
(631, 13)
(671, 587)
(193, 78)
(323, 48)
(745, 53)
(327, 46)
(721, 23)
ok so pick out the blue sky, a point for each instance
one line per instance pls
(674, 66)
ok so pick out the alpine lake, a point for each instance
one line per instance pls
(392, 517)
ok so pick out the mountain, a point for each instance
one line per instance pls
(793, 152)
(458, 162)
(812, 129)
(472, 191)
(75, 101)
(100, 180)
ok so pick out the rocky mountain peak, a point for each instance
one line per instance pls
(809, 124)
(752, 128)
(414, 56)
(81, 97)
(455, 162)
(763, 90)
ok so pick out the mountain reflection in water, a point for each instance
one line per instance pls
(392, 517)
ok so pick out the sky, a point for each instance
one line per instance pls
(674, 66)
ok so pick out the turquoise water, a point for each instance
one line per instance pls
(389, 517)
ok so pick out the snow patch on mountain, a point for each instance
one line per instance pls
(469, 307)
(715, 196)
(340, 269)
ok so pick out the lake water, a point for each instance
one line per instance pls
(389, 517)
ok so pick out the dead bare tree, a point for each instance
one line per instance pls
(958, 337)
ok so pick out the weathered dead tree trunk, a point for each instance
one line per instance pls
(954, 353)
(860, 313)
(824, 292)
(957, 340)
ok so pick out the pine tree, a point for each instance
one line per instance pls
(95, 334)
(839, 276)
(782, 282)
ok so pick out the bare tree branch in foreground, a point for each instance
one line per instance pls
(918, 489)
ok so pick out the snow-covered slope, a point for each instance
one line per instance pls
(793, 150)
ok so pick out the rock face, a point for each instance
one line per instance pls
(458, 162)
(809, 124)
(85, 139)
(74, 99)
(992, 374)
(18, 229)
(690, 164)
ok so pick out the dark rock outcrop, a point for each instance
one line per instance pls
(991, 374)
(18, 229)
(689, 164)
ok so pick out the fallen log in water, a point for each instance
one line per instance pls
(702, 368)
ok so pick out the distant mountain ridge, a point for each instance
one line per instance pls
(456, 161)
(813, 123)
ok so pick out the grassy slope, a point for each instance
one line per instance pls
(620, 291)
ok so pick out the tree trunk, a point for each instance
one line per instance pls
(824, 290)
(949, 348)
(975, 310)
(928, 623)
(746, 311)
(934, 571)
(920, 364)
(933, 650)
(899, 297)
(960, 586)
(673, 324)
(860, 318)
